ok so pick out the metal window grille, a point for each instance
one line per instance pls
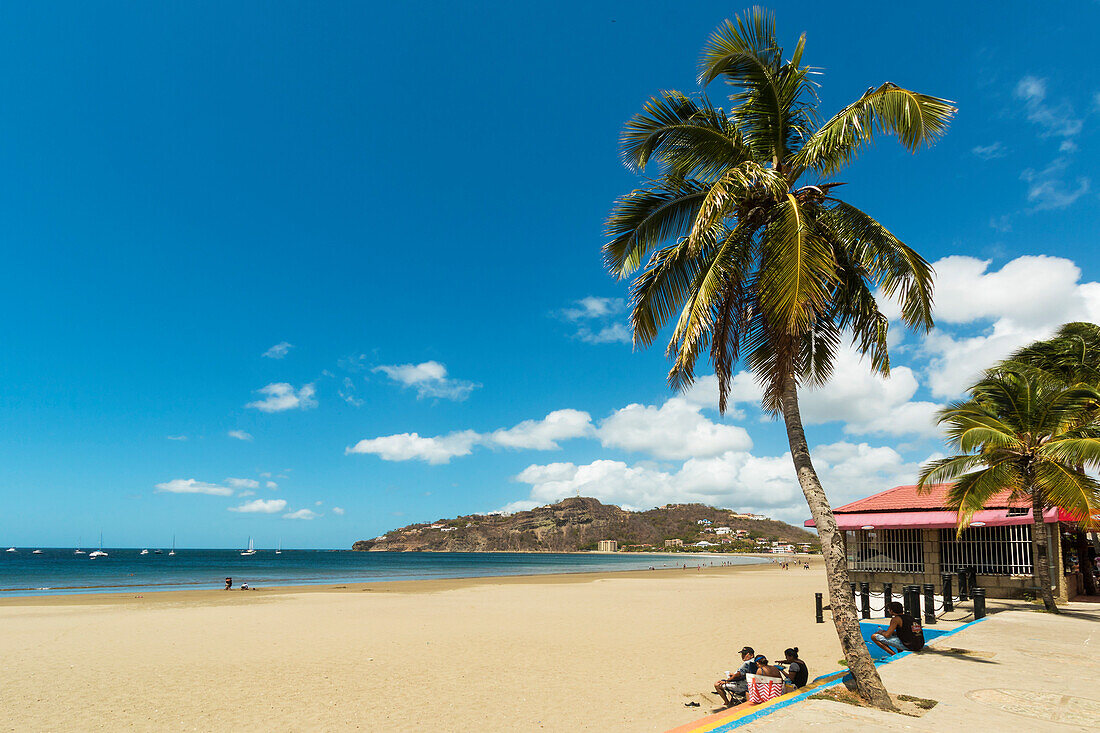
(885, 550)
(990, 550)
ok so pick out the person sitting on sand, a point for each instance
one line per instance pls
(733, 687)
(904, 634)
(796, 671)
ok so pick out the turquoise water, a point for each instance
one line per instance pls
(59, 571)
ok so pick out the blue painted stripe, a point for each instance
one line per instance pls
(806, 693)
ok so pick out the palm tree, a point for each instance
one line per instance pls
(1027, 433)
(1072, 356)
(742, 236)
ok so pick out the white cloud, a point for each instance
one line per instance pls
(737, 480)
(598, 320)
(991, 151)
(1026, 300)
(271, 484)
(347, 393)
(246, 493)
(429, 379)
(279, 350)
(240, 435)
(260, 506)
(176, 437)
(243, 483)
(407, 446)
(674, 430)
(866, 404)
(1048, 188)
(301, 514)
(191, 486)
(543, 434)
(339, 511)
(281, 396)
(1057, 120)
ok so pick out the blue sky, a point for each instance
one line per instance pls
(410, 198)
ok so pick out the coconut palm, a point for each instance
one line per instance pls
(742, 238)
(1029, 434)
(1072, 356)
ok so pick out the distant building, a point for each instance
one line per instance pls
(674, 543)
(702, 521)
(608, 546)
(722, 530)
(704, 543)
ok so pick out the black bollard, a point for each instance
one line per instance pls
(971, 578)
(962, 584)
(979, 602)
(865, 600)
(929, 604)
(887, 597)
(820, 612)
(907, 600)
(948, 603)
(853, 590)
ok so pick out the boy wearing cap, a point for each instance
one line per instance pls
(733, 687)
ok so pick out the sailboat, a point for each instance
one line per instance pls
(144, 552)
(280, 550)
(250, 551)
(98, 553)
(37, 552)
(78, 551)
(12, 549)
(173, 552)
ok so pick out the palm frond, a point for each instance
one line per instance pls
(647, 217)
(895, 268)
(797, 270)
(1068, 488)
(915, 119)
(695, 139)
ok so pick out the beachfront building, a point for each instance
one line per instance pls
(608, 546)
(905, 538)
(674, 543)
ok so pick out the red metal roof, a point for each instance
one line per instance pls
(906, 498)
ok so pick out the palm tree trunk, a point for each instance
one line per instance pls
(868, 683)
(1041, 567)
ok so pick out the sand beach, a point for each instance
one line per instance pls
(601, 651)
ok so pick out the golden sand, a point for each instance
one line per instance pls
(597, 651)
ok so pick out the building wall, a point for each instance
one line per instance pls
(996, 586)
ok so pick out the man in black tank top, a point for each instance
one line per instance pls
(904, 634)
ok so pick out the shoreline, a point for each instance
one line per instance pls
(420, 586)
(356, 656)
(82, 591)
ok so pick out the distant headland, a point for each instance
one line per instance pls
(580, 523)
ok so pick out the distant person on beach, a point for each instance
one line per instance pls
(228, 584)
(904, 634)
(795, 670)
(732, 687)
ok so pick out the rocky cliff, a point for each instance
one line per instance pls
(576, 523)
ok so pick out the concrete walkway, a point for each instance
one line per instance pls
(1027, 671)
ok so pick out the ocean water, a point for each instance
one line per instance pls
(59, 571)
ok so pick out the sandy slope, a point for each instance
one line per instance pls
(603, 652)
